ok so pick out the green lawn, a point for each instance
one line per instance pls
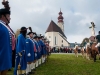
(68, 64)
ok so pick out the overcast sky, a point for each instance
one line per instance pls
(38, 14)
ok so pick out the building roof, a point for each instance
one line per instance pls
(54, 28)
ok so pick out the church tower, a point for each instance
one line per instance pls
(55, 33)
(60, 21)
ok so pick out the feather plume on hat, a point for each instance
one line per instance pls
(6, 4)
(30, 29)
(6, 9)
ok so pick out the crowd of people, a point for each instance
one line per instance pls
(62, 50)
(25, 52)
(30, 52)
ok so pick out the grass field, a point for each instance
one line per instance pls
(68, 64)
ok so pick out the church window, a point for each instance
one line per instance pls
(62, 41)
(55, 40)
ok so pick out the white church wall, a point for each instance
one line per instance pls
(49, 36)
(62, 42)
(55, 39)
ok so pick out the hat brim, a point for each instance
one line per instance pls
(35, 37)
(31, 32)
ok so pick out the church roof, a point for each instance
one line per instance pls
(54, 28)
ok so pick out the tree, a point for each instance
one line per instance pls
(17, 32)
(87, 39)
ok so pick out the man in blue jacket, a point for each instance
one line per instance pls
(37, 52)
(30, 52)
(98, 41)
(5, 39)
(21, 56)
(42, 46)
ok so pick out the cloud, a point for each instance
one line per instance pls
(38, 13)
(76, 38)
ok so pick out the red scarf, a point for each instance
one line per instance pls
(13, 38)
(34, 48)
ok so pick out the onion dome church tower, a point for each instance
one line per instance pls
(60, 21)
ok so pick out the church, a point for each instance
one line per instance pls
(55, 33)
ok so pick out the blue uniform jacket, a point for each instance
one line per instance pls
(42, 47)
(29, 49)
(5, 49)
(21, 48)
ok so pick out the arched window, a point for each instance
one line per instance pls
(55, 40)
(62, 41)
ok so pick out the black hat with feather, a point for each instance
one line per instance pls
(31, 31)
(5, 10)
